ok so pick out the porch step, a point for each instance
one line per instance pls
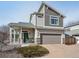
(24, 45)
(28, 44)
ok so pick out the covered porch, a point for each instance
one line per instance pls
(21, 34)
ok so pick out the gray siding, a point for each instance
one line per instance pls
(49, 12)
(51, 31)
(47, 31)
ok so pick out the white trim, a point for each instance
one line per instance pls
(62, 38)
(51, 27)
(50, 19)
(44, 15)
(35, 38)
(14, 37)
(21, 35)
(10, 31)
(12, 40)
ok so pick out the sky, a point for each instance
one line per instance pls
(19, 11)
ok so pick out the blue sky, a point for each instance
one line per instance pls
(19, 11)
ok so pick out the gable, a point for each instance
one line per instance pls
(48, 11)
(41, 9)
(52, 9)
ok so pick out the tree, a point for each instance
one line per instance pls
(4, 28)
(4, 34)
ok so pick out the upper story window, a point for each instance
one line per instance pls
(40, 15)
(54, 20)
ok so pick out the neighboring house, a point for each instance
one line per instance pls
(44, 27)
(73, 30)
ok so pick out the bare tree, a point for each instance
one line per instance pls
(4, 28)
(4, 34)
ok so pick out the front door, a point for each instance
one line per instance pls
(26, 38)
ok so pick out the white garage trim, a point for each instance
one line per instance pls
(62, 37)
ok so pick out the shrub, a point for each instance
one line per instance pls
(33, 51)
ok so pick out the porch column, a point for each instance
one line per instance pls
(10, 32)
(36, 33)
(62, 38)
(21, 35)
(14, 36)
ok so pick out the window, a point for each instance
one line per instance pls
(54, 20)
(40, 16)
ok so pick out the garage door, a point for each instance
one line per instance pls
(50, 39)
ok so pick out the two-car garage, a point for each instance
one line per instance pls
(50, 38)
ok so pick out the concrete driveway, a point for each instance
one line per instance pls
(62, 51)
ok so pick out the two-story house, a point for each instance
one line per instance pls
(44, 27)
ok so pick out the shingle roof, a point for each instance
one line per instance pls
(72, 24)
(21, 24)
(30, 25)
(73, 32)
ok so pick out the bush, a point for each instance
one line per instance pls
(33, 51)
